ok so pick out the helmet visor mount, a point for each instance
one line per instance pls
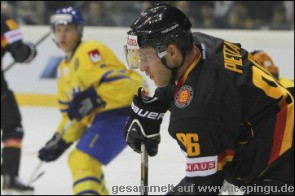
(137, 56)
(63, 19)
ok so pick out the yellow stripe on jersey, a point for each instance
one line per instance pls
(289, 129)
(224, 161)
(225, 157)
(11, 24)
(287, 83)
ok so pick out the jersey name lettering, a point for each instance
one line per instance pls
(232, 57)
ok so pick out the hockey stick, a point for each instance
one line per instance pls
(36, 44)
(144, 171)
(35, 175)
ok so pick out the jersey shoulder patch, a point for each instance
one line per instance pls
(95, 55)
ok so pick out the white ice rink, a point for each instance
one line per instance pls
(168, 167)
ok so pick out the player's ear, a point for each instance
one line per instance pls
(172, 50)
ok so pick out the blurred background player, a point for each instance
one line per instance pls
(11, 126)
(267, 62)
(94, 92)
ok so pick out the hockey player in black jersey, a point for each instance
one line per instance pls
(11, 126)
(230, 117)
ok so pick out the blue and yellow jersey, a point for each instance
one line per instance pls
(94, 64)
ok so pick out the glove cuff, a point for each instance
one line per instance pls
(57, 142)
(33, 52)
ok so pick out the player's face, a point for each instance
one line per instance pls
(67, 37)
(152, 65)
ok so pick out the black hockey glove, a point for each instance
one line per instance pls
(143, 124)
(52, 150)
(84, 103)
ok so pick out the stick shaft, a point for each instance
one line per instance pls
(144, 171)
(34, 173)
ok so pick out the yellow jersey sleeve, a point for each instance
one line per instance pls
(76, 129)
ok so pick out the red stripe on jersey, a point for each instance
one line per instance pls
(278, 135)
(184, 76)
(224, 157)
(224, 154)
(16, 143)
(3, 41)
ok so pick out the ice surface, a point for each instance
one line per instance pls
(168, 167)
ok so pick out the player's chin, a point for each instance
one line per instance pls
(66, 48)
(63, 46)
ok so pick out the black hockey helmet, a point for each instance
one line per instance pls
(160, 24)
(157, 27)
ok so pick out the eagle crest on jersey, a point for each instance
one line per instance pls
(184, 96)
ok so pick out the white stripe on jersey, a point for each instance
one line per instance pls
(13, 36)
(201, 166)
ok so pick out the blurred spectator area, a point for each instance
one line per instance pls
(272, 15)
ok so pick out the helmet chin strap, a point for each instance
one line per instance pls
(174, 69)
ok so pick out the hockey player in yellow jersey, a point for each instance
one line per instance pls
(267, 62)
(94, 93)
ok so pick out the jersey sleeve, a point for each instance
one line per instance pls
(12, 40)
(10, 32)
(288, 84)
(267, 115)
(75, 131)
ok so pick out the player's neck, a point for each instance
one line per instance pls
(69, 55)
(189, 59)
(71, 52)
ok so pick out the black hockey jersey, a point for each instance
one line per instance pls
(229, 114)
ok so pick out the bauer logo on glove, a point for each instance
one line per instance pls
(147, 114)
(144, 123)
